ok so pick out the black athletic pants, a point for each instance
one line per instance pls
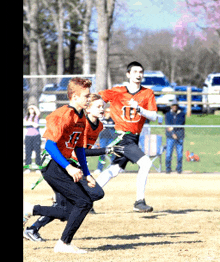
(79, 194)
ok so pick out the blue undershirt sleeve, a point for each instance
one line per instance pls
(55, 153)
(81, 155)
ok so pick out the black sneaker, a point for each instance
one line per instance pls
(92, 211)
(33, 235)
(141, 206)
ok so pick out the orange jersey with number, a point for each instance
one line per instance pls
(91, 133)
(125, 117)
(66, 127)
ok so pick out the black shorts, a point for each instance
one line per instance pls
(132, 152)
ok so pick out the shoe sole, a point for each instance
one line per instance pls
(26, 236)
(29, 237)
(70, 252)
(143, 210)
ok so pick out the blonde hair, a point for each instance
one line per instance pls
(76, 84)
(93, 97)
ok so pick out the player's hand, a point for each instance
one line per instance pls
(116, 150)
(133, 103)
(90, 181)
(74, 172)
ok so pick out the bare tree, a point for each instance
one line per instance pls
(33, 97)
(105, 9)
(57, 13)
(85, 37)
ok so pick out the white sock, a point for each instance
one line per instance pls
(145, 165)
(107, 175)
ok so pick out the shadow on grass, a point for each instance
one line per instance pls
(138, 236)
(143, 243)
(184, 211)
(134, 245)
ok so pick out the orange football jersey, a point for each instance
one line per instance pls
(91, 134)
(125, 117)
(65, 127)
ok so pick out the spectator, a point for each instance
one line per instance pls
(106, 137)
(32, 136)
(174, 136)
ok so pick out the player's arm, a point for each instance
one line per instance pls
(151, 111)
(109, 94)
(55, 153)
(81, 156)
(117, 150)
(151, 115)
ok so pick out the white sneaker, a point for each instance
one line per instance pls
(27, 212)
(67, 248)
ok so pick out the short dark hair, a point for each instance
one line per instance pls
(134, 63)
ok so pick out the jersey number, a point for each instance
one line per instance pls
(74, 137)
(130, 114)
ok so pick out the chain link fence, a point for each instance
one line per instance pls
(50, 90)
(198, 150)
(198, 147)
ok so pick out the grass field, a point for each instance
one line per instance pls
(184, 226)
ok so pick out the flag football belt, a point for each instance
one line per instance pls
(46, 157)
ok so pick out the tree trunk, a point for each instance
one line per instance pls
(42, 68)
(85, 37)
(60, 65)
(33, 95)
(73, 42)
(105, 10)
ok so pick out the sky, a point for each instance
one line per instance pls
(152, 15)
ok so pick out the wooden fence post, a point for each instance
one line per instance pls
(189, 101)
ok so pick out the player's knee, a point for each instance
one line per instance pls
(145, 162)
(114, 170)
(98, 194)
(84, 203)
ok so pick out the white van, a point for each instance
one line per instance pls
(211, 85)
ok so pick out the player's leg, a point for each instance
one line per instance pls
(32, 232)
(136, 155)
(95, 193)
(103, 143)
(108, 174)
(59, 179)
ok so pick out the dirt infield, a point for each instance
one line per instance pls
(184, 226)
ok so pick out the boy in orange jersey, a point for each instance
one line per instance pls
(93, 127)
(130, 106)
(65, 133)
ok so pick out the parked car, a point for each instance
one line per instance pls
(157, 81)
(195, 108)
(211, 85)
(62, 86)
(47, 101)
